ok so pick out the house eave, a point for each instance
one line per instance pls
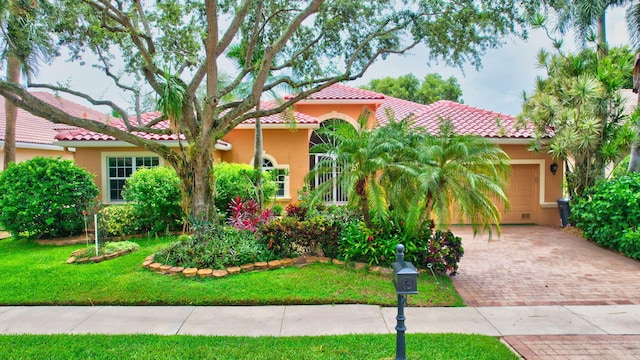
(342, 102)
(124, 144)
(34, 146)
(510, 141)
(278, 126)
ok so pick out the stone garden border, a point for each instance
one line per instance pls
(274, 264)
(95, 259)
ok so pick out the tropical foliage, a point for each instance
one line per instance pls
(238, 180)
(403, 174)
(579, 103)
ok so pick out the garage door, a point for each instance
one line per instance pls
(522, 192)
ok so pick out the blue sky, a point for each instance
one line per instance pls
(497, 86)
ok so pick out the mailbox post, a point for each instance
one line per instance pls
(405, 281)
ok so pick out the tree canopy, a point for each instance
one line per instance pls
(174, 47)
(431, 89)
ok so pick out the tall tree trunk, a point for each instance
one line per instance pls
(257, 159)
(361, 190)
(196, 176)
(13, 75)
(634, 158)
(601, 42)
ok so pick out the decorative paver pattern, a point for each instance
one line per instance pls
(576, 347)
(536, 265)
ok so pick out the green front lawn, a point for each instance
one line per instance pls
(374, 347)
(38, 275)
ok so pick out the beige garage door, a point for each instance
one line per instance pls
(522, 192)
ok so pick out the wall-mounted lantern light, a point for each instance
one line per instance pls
(554, 168)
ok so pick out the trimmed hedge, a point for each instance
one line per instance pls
(609, 214)
(45, 197)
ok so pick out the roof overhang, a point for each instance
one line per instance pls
(341, 102)
(279, 126)
(510, 141)
(33, 146)
(117, 143)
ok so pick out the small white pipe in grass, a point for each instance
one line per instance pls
(95, 225)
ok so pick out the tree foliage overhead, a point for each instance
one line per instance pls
(174, 47)
(580, 103)
(431, 89)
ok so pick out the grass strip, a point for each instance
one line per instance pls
(38, 275)
(382, 347)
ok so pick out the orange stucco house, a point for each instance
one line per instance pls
(533, 188)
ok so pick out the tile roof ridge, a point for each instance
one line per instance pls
(357, 89)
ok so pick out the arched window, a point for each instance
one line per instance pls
(337, 195)
(279, 174)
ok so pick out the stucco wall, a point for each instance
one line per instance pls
(28, 154)
(285, 146)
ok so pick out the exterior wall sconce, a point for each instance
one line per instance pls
(554, 168)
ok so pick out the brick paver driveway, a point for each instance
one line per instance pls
(535, 265)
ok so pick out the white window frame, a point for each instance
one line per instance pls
(106, 192)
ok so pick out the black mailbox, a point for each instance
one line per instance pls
(405, 275)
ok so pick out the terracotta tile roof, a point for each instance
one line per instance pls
(281, 118)
(467, 120)
(86, 135)
(343, 92)
(31, 129)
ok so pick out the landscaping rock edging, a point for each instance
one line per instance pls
(95, 259)
(274, 264)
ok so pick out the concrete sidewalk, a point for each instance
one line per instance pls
(319, 320)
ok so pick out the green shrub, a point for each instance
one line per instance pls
(237, 180)
(119, 220)
(45, 197)
(155, 196)
(609, 214)
(277, 209)
(440, 251)
(289, 236)
(219, 248)
(373, 246)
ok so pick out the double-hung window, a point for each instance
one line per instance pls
(120, 168)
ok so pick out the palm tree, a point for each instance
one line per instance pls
(26, 41)
(362, 155)
(456, 173)
(633, 25)
(583, 15)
